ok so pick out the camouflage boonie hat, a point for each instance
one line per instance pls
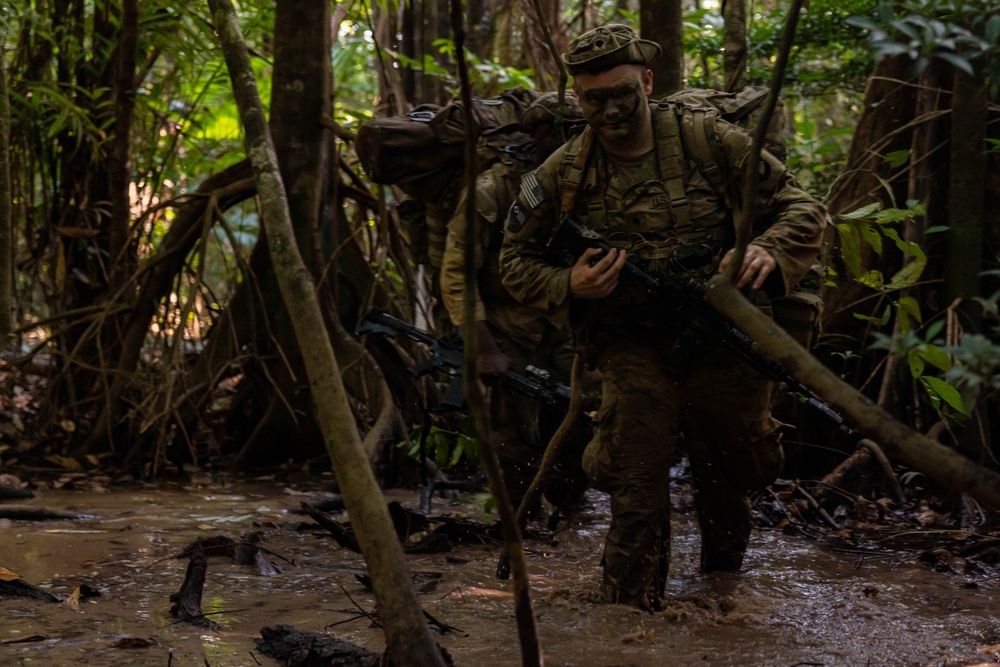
(608, 46)
(543, 110)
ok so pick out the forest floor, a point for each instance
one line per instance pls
(895, 592)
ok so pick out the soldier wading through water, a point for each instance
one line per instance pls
(632, 177)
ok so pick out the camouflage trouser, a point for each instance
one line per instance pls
(721, 407)
(515, 419)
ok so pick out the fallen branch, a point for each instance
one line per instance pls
(187, 601)
(21, 513)
(19, 588)
(898, 441)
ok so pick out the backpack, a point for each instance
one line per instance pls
(423, 152)
(742, 108)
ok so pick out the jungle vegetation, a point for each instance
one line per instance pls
(151, 277)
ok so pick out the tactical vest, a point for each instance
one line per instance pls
(677, 235)
(685, 132)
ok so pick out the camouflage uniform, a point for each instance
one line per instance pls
(657, 386)
(524, 335)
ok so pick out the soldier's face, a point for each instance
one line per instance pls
(614, 101)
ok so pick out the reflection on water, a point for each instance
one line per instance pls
(795, 603)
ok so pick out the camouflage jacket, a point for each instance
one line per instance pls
(664, 212)
(496, 189)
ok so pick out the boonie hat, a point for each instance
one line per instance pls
(608, 46)
(543, 110)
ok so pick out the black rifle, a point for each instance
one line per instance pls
(683, 301)
(447, 357)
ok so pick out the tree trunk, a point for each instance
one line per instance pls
(734, 44)
(120, 249)
(965, 237)
(408, 639)
(882, 127)
(537, 54)
(663, 22)
(925, 163)
(407, 47)
(531, 654)
(966, 196)
(7, 247)
(900, 443)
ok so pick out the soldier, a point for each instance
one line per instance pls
(633, 177)
(525, 336)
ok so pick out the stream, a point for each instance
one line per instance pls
(797, 602)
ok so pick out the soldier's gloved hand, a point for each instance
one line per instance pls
(491, 362)
(757, 266)
(593, 278)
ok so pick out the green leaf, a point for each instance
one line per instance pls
(908, 247)
(897, 159)
(806, 128)
(877, 320)
(910, 306)
(934, 329)
(872, 235)
(888, 190)
(908, 275)
(958, 61)
(456, 454)
(993, 29)
(935, 356)
(945, 392)
(916, 363)
(872, 278)
(850, 247)
(862, 212)
(440, 450)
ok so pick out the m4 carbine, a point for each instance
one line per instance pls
(447, 357)
(683, 300)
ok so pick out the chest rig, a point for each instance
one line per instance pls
(674, 215)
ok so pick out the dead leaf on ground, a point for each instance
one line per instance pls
(7, 575)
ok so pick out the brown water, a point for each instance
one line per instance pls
(796, 603)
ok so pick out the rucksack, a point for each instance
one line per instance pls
(423, 151)
(744, 109)
(423, 154)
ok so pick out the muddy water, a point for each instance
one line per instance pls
(795, 604)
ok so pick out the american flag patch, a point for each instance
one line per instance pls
(531, 191)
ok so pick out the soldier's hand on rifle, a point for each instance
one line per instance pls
(491, 363)
(757, 266)
(593, 278)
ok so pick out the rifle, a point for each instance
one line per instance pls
(447, 357)
(684, 299)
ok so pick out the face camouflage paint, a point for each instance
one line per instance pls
(621, 101)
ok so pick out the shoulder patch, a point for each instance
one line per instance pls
(532, 192)
(516, 218)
